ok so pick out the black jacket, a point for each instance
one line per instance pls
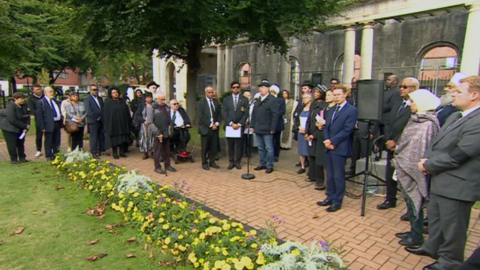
(444, 112)
(397, 121)
(238, 115)
(265, 115)
(391, 97)
(32, 103)
(14, 119)
(204, 116)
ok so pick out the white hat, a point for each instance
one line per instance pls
(425, 100)
(457, 78)
(275, 88)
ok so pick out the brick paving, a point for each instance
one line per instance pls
(368, 242)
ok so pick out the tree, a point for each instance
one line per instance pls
(182, 28)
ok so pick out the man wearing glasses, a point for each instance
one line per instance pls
(393, 129)
(93, 108)
(235, 112)
(181, 123)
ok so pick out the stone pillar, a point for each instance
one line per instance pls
(228, 70)
(471, 47)
(284, 72)
(349, 55)
(156, 66)
(220, 66)
(366, 61)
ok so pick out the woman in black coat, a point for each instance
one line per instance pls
(116, 120)
(314, 136)
(15, 122)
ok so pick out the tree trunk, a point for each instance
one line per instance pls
(12, 86)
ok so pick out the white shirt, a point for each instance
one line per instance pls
(339, 106)
(55, 107)
(469, 111)
(178, 118)
(262, 98)
(210, 104)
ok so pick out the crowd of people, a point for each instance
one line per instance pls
(430, 142)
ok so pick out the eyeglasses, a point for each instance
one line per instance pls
(94, 89)
(174, 103)
(405, 86)
(235, 86)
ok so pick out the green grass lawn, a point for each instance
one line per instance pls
(57, 228)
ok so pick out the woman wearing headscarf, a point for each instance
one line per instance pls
(116, 119)
(287, 134)
(421, 129)
(15, 122)
(144, 116)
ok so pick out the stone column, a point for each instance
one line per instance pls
(284, 72)
(155, 66)
(349, 55)
(220, 66)
(366, 61)
(228, 70)
(471, 46)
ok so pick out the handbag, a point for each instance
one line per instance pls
(71, 126)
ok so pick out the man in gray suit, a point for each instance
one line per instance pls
(453, 160)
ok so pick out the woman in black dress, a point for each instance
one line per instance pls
(15, 122)
(116, 119)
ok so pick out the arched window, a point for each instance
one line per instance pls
(294, 77)
(340, 67)
(245, 75)
(437, 67)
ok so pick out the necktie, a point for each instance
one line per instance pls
(402, 107)
(211, 106)
(174, 116)
(336, 112)
(53, 108)
(235, 102)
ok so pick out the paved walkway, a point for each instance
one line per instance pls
(368, 242)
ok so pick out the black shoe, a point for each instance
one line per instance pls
(160, 171)
(275, 159)
(309, 180)
(260, 167)
(386, 205)
(238, 165)
(377, 158)
(325, 202)
(433, 266)
(95, 156)
(402, 234)
(15, 162)
(418, 251)
(320, 187)
(50, 158)
(171, 169)
(205, 166)
(425, 230)
(404, 217)
(300, 171)
(23, 161)
(214, 165)
(409, 242)
(307, 164)
(230, 166)
(334, 208)
(123, 155)
(269, 170)
(298, 164)
(425, 222)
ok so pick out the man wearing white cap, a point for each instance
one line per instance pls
(274, 90)
(446, 108)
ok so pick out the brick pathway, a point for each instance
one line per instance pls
(368, 242)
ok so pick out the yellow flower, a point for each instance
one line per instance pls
(136, 194)
(295, 252)
(180, 237)
(253, 232)
(226, 267)
(121, 195)
(202, 236)
(196, 264)
(182, 248)
(206, 266)
(165, 226)
(161, 220)
(130, 191)
(225, 252)
(167, 240)
(254, 245)
(226, 226)
(192, 257)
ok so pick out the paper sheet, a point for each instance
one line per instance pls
(233, 133)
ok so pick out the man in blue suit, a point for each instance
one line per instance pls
(338, 143)
(93, 108)
(49, 118)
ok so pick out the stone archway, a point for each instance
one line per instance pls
(170, 81)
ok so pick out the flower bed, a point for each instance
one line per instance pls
(185, 230)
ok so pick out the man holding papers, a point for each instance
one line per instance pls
(235, 112)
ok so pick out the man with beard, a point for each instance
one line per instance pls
(446, 109)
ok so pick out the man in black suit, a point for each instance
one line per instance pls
(209, 113)
(264, 123)
(181, 123)
(37, 94)
(49, 118)
(235, 112)
(274, 90)
(394, 127)
(453, 161)
(93, 109)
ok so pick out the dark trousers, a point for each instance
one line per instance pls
(235, 150)
(15, 146)
(316, 172)
(97, 138)
(52, 141)
(161, 149)
(335, 178)
(210, 145)
(38, 139)
(473, 262)
(247, 144)
(416, 220)
(276, 143)
(77, 138)
(447, 226)
(391, 184)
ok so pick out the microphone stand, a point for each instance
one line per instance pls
(248, 175)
